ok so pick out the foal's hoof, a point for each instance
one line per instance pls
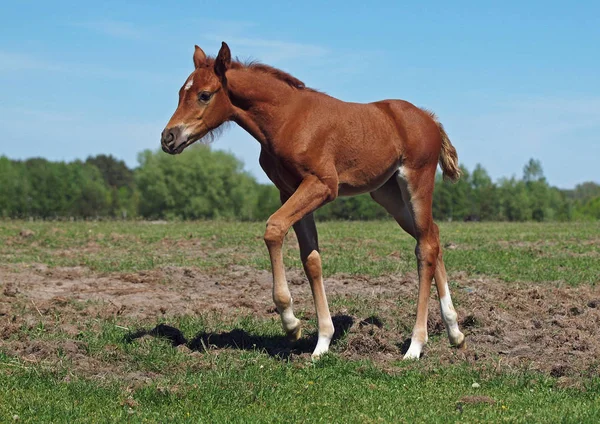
(319, 353)
(414, 351)
(459, 342)
(411, 356)
(317, 356)
(462, 345)
(295, 334)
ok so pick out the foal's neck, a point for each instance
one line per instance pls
(259, 100)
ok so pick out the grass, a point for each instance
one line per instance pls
(560, 252)
(111, 379)
(251, 386)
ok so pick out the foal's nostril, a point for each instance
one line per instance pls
(172, 139)
(167, 137)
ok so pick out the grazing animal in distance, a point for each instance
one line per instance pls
(315, 148)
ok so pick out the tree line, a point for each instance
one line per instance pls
(207, 184)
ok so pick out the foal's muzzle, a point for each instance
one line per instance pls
(171, 140)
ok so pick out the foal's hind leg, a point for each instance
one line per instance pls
(306, 232)
(417, 192)
(449, 315)
(395, 197)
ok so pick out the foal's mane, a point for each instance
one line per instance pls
(269, 70)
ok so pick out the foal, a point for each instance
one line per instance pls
(315, 148)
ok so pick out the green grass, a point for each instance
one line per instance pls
(251, 386)
(148, 380)
(560, 252)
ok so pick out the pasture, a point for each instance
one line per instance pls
(155, 322)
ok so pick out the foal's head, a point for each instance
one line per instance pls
(203, 102)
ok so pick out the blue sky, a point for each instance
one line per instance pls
(510, 80)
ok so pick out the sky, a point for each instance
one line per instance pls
(509, 80)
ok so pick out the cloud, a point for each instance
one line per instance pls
(72, 135)
(69, 136)
(124, 30)
(559, 131)
(272, 50)
(15, 62)
(538, 121)
(223, 26)
(39, 116)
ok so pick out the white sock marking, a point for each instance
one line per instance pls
(450, 318)
(322, 347)
(414, 351)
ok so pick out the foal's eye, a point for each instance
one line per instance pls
(205, 96)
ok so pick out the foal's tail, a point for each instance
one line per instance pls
(448, 156)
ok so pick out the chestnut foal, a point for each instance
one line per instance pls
(315, 148)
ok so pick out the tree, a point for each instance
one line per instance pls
(514, 200)
(360, 207)
(88, 195)
(532, 171)
(14, 188)
(198, 184)
(47, 185)
(585, 200)
(537, 187)
(442, 199)
(209, 184)
(267, 201)
(120, 180)
(484, 194)
(114, 172)
(453, 201)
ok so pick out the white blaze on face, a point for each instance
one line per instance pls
(186, 131)
(189, 84)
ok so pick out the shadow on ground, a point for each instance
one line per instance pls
(276, 346)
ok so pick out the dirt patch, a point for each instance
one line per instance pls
(548, 328)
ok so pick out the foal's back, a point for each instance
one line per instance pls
(366, 143)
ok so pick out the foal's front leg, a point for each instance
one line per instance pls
(311, 194)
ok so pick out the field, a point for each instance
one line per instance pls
(157, 322)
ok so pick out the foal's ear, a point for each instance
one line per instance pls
(199, 57)
(223, 60)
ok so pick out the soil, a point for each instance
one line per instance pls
(550, 328)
